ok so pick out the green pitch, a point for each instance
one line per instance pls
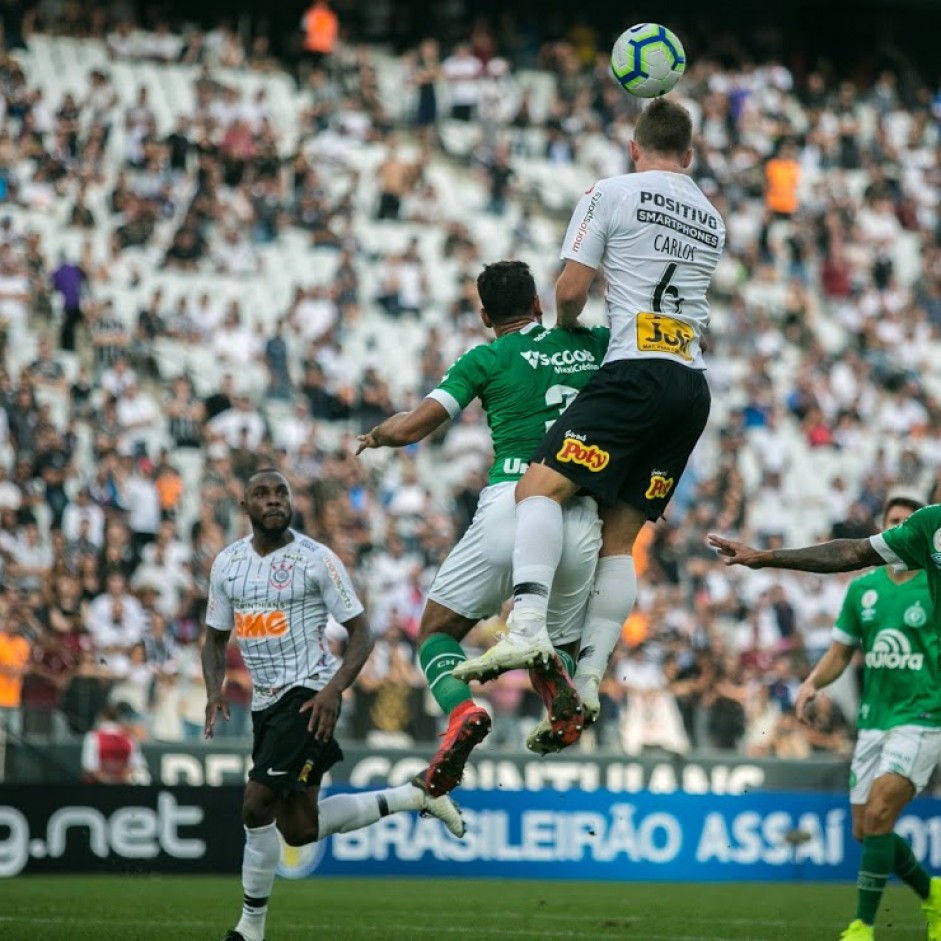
(201, 909)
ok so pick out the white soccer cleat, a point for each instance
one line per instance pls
(513, 651)
(587, 685)
(444, 808)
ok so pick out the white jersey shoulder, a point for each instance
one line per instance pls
(278, 606)
(658, 240)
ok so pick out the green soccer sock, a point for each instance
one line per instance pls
(877, 864)
(568, 661)
(438, 656)
(907, 867)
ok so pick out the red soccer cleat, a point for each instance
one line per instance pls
(467, 727)
(552, 682)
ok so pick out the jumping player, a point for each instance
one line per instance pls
(628, 434)
(274, 590)
(524, 380)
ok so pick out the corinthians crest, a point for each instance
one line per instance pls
(282, 575)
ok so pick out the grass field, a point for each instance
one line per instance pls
(202, 909)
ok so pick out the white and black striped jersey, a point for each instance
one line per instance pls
(278, 605)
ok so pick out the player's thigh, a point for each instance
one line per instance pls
(865, 764)
(571, 587)
(285, 755)
(912, 752)
(678, 421)
(476, 577)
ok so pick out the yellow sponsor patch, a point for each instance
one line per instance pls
(659, 487)
(657, 333)
(588, 455)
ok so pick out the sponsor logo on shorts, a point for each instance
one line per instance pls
(305, 771)
(259, 625)
(660, 485)
(892, 650)
(590, 456)
(282, 574)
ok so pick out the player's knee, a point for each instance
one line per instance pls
(256, 811)
(300, 835)
(878, 818)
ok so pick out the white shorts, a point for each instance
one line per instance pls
(477, 576)
(909, 750)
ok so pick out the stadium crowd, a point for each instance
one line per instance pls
(213, 270)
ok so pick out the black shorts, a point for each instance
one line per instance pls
(628, 434)
(285, 756)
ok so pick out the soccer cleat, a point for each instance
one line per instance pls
(469, 725)
(931, 909)
(234, 935)
(444, 808)
(858, 931)
(513, 651)
(587, 685)
(563, 707)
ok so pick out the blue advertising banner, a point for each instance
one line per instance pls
(605, 835)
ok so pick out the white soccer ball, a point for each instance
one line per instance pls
(648, 60)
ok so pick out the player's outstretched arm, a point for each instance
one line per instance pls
(571, 293)
(213, 660)
(324, 705)
(828, 669)
(405, 427)
(837, 555)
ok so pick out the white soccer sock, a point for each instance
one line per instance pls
(345, 812)
(536, 556)
(612, 597)
(259, 862)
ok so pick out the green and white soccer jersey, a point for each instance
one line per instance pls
(524, 381)
(895, 627)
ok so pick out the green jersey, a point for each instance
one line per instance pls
(524, 381)
(894, 624)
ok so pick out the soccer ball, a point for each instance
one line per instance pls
(648, 60)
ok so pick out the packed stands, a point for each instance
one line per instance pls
(206, 267)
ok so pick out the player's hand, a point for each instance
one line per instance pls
(737, 553)
(324, 709)
(214, 706)
(368, 440)
(806, 695)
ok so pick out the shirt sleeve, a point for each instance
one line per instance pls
(587, 235)
(911, 545)
(219, 614)
(463, 382)
(337, 589)
(847, 629)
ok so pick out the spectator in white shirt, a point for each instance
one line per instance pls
(241, 419)
(139, 418)
(462, 71)
(116, 379)
(233, 343)
(140, 499)
(116, 622)
(84, 510)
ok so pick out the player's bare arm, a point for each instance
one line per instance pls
(830, 668)
(213, 660)
(324, 706)
(405, 427)
(571, 293)
(837, 555)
